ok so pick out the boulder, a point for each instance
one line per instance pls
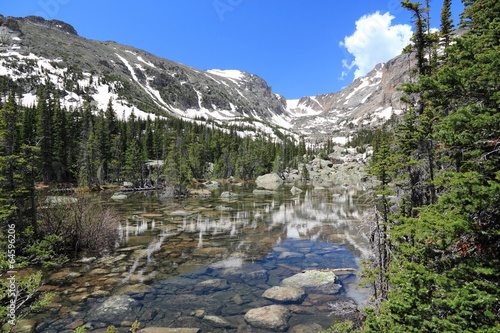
(270, 181)
(24, 326)
(272, 317)
(285, 294)
(322, 282)
(221, 208)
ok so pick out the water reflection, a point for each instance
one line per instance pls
(174, 256)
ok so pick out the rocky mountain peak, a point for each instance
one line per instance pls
(368, 101)
(54, 24)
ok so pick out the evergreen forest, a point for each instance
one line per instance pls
(436, 232)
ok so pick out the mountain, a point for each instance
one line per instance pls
(367, 102)
(34, 50)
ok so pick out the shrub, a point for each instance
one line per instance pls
(81, 224)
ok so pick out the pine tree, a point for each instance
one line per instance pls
(60, 142)
(17, 197)
(420, 37)
(148, 140)
(9, 158)
(446, 23)
(45, 131)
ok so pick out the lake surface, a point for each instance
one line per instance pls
(204, 262)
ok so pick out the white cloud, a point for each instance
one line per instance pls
(374, 41)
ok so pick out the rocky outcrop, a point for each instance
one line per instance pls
(343, 166)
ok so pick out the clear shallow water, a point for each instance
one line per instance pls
(181, 262)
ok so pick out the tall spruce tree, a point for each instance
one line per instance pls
(45, 131)
(446, 23)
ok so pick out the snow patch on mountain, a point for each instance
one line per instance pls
(296, 109)
(232, 74)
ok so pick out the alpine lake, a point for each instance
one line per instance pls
(205, 262)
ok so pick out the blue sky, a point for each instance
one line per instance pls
(300, 48)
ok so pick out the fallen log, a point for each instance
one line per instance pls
(333, 270)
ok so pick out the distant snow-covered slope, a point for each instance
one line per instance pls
(35, 51)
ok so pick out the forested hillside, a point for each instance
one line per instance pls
(436, 238)
(96, 147)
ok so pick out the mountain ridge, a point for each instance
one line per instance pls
(35, 50)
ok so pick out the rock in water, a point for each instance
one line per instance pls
(314, 281)
(270, 181)
(285, 294)
(272, 317)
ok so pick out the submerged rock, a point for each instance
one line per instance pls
(285, 294)
(168, 330)
(272, 317)
(312, 328)
(218, 322)
(113, 309)
(210, 286)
